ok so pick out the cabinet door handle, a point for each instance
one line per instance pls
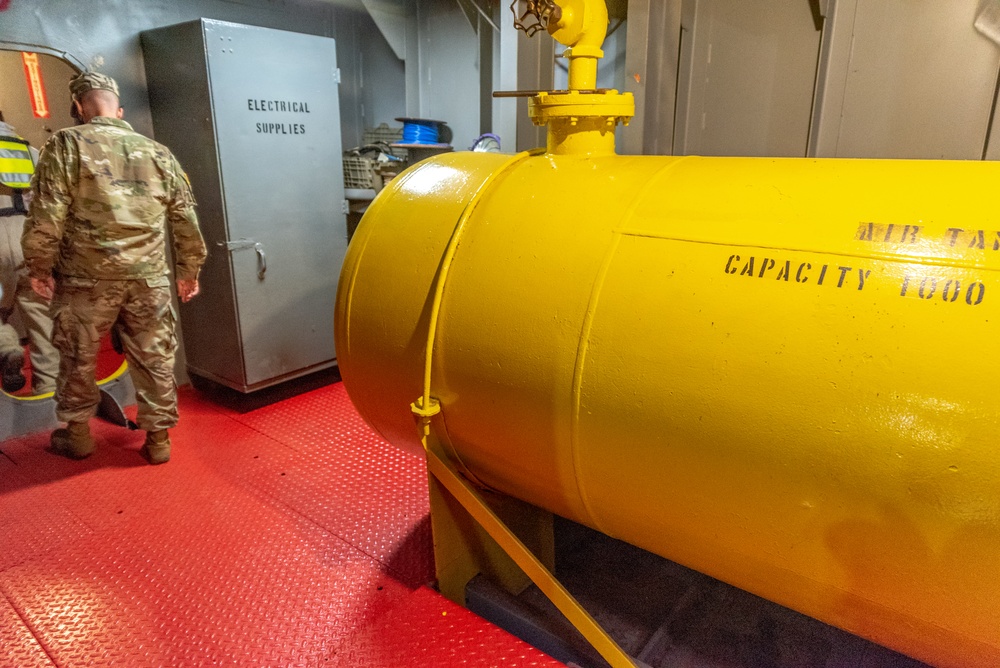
(247, 244)
(261, 260)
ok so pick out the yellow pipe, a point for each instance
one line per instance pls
(582, 121)
(582, 26)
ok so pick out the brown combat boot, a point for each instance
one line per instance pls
(74, 441)
(156, 447)
(11, 377)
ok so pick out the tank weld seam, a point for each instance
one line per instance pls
(884, 257)
(794, 574)
(588, 321)
(426, 407)
(981, 642)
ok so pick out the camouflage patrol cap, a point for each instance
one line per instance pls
(88, 81)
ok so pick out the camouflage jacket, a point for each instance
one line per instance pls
(103, 195)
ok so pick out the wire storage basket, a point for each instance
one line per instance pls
(359, 172)
(369, 166)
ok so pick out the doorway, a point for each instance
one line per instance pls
(34, 103)
(34, 95)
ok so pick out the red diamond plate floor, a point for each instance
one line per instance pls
(428, 630)
(18, 647)
(290, 535)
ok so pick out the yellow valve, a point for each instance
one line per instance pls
(582, 120)
(579, 24)
(533, 16)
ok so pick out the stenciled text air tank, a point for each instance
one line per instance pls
(780, 372)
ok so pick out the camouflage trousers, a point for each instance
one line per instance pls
(83, 311)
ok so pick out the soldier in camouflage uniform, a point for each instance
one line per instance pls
(95, 243)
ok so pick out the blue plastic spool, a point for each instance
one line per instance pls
(420, 132)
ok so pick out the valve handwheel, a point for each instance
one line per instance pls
(532, 16)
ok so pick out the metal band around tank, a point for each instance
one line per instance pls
(426, 406)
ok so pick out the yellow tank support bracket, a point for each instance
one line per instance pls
(459, 488)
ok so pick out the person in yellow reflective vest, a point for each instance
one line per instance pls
(17, 166)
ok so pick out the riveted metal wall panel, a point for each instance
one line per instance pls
(279, 238)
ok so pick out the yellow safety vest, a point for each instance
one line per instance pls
(16, 165)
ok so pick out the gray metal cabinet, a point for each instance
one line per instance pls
(253, 116)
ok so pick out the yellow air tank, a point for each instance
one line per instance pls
(780, 372)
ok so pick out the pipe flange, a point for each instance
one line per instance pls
(611, 105)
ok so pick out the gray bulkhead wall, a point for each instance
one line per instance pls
(747, 79)
(457, 52)
(381, 77)
(440, 44)
(905, 79)
(877, 79)
(449, 69)
(820, 78)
